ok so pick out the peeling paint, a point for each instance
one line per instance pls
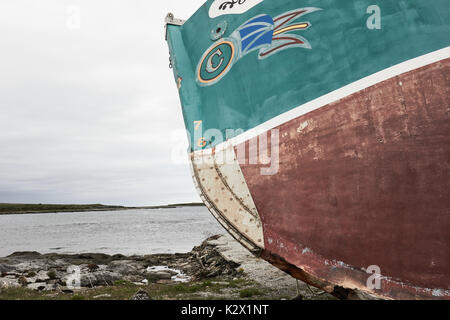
(220, 182)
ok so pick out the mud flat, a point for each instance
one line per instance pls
(220, 268)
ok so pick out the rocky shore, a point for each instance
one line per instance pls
(218, 269)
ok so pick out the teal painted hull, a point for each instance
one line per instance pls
(343, 50)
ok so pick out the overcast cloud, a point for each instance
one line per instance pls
(88, 115)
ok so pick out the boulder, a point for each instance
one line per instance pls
(133, 278)
(29, 265)
(94, 258)
(42, 276)
(65, 289)
(141, 295)
(107, 277)
(5, 268)
(37, 286)
(6, 283)
(101, 278)
(23, 281)
(160, 275)
(164, 281)
(106, 295)
(172, 272)
(92, 267)
(31, 279)
(125, 267)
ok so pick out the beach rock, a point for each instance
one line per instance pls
(151, 260)
(37, 286)
(164, 281)
(156, 276)
(172, 272)
(137, 258)
(59, 264)
(88, 281)
(104, 278)
(210, 263)
(141, 295)
(106, 295)
(92, 267)
(63, 260)
(220, 283)
(102, 267)
(31, 279)
(133, 278)
(42, 276)
(94, 258)
(118, 257)
(6, 283)
(125, 267)
(4, 268)
(50, 287)
(23, 281)
(27, 266)
(64, 289)
(107, 277)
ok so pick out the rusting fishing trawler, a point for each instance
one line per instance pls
(320, 136)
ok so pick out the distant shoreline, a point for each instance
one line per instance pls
(17, 208)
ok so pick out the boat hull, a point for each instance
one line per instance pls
(364, 181)
(361, 182)
(337, 168)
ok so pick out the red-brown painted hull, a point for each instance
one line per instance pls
(365, 181)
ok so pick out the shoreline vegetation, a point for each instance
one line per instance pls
(220, 268)
(19, 208)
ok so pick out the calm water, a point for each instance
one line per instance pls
(126, 232)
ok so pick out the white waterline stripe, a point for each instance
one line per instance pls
(338, 94)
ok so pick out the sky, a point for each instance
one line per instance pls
(89, 110)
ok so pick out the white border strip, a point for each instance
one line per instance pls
(338, 94)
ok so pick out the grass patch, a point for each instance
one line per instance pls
(123, 283)
(217, 288)
(239, 283)
(52, 274)
(191, 288)
(249, 292)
